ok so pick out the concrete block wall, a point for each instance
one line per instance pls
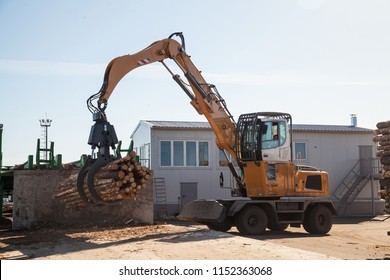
(366, 208)
(34, 205)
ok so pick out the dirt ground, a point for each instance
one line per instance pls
(350, 238)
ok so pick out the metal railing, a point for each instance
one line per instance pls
(355, 181)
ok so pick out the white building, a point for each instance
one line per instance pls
(185, 157)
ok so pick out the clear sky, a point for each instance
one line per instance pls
(320, 60)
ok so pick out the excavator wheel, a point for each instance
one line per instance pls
(318, 220)
(251, 220)
(273, 225)
(223, 226)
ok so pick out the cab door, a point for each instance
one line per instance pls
(275, 142)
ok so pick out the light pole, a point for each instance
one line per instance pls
(45, 123)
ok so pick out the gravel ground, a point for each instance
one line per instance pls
(350, 238)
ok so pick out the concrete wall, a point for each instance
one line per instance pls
(34, 206)
(366, 207)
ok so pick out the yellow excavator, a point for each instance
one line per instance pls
(270, 191)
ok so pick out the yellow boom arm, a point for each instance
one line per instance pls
(204, 96)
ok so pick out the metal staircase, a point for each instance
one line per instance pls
(161, 198)
(352, 184)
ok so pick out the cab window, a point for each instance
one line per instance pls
(275, 134)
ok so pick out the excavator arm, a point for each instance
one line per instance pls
(204, 97)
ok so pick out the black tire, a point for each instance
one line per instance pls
(306, 225)
(275, 226)
(252, 220)
(224, 226)
(319, 220)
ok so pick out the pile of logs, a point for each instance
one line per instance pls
(383, 139)
(121, 179)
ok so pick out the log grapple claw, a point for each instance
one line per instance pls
(88, 172)
(103, 137)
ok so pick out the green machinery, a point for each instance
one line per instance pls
(50, 161)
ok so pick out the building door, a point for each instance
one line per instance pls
(365, 157)
(189, 192)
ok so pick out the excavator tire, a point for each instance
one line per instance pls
(306, 226)
(318, 220)
(223, 226)
(251, 220)
(275, 226)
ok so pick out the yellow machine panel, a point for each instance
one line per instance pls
(265, 179)
(312, 184)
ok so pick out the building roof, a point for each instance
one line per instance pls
(329, 128)
(178, 124)
(296, 127)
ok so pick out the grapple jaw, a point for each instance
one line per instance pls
(86, 177)
(103, 137)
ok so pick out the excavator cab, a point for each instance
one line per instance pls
(264, 136)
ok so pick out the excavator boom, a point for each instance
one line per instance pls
(204, 97)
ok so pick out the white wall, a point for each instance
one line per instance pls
(336, 153)
(207, 177)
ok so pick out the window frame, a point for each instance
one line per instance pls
(184, 154)
(294, 149)
(281, 139)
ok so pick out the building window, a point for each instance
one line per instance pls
(191, 153)
(165, 153)
(144, 155)
(184, 153)
(300, 151)
(178, 153)
(203, 153)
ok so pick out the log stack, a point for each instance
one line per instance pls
(382, 138)
(122, 179)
